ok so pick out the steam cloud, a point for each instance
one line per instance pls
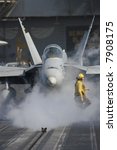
(55, 109)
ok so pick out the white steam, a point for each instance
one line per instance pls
(55, 109)
(92, 57)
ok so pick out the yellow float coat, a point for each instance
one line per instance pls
(80, 89)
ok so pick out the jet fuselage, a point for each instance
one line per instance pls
(53, 65)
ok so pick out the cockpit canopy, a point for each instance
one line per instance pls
(52, 51)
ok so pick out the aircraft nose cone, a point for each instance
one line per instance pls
(52, 80)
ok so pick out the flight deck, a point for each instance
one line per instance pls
(79, 136)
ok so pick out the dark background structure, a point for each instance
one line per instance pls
(49, 21)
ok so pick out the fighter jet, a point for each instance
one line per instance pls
(54, 60)
(51, 65)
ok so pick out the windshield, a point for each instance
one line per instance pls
(53, 51)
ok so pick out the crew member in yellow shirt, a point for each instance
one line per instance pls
(80, 88)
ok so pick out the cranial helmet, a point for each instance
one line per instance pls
(81, 76)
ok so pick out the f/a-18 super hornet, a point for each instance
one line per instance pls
(51, 65)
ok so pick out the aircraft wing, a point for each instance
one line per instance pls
(74, 65)
(6, 71)
(11, 71)
(88, 69)
(93, 70)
